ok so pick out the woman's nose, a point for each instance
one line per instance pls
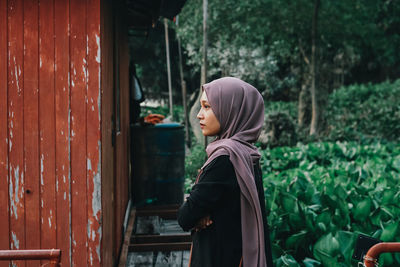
(200, 114)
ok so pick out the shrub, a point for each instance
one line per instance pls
(320, 196)
(364, 111)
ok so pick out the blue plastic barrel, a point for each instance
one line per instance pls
(158, 169)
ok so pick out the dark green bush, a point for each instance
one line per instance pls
(364, 111)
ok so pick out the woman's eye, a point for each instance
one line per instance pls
(206, 106)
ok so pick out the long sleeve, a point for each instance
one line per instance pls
(217, 179)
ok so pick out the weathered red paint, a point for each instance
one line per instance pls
(78, 70)
(56, 104)
(15, 126)
(62, 105)
(4, 178)
(47, 125)
(31, 131)
(93, 134)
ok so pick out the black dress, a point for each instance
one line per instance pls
(218, 194)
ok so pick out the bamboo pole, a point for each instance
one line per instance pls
(168, 69)
(205, 45)
(183, 85)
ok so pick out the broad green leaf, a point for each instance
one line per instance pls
(385, 259)
(287, 260)
(296, 240)
(347, 243)
(389, 232)
(326, 247)
(362, 210)
(308, 262)
(396, 163)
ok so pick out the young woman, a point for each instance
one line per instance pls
(226, 208)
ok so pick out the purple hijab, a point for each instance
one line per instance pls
(239, 108)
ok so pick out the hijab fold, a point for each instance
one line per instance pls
(239, 108)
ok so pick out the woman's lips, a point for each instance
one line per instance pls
(201, 125)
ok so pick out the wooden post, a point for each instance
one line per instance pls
(168, 68)
(205, 45)
(183, 85)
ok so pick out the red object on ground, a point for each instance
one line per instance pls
(373, 253)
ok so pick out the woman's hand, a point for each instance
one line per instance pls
(203, 223)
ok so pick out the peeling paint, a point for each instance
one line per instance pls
(98, 48)
(96, 195)
(41, 169)
(13, 191)
(15, 241)
(91, 256)
(72, 133)
(65, 195)
(89, 164)
(99, 232)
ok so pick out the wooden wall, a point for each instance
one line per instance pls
(51, 131)
(115, 140)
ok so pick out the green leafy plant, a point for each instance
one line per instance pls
(320, 196)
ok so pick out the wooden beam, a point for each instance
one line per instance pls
(125, 246)
(146, 239)
(177, 246)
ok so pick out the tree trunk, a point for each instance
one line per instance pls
(313, 91)
(171, 114)
(302, 107)
(183, 87)
(194, 122)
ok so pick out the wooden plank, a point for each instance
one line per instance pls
(122, 137)
(15, 126)
(31, 131)
(93, 137)
(119, 159)
(160, 247)
(175, 238)
(4, 198)
(107, 150)
(162, 213)
(47, 144)
(78, 70)
(127, 238)
(125, 127)
(62, 101)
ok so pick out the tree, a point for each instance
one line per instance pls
(269, 44)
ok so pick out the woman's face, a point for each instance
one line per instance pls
(209, 123)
